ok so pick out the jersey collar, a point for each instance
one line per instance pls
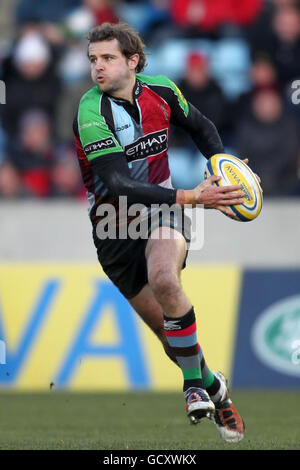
(136, 92)
(137, 89)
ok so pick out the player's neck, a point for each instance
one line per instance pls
(126, 93)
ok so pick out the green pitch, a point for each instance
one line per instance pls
(149, 421)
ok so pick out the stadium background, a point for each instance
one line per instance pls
(64, 325)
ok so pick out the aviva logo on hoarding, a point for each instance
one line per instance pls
(51, 330)
(68, 325)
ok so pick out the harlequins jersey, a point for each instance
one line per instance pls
(105, 125)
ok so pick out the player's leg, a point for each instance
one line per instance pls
(164, 261)
(227, 419)
(151, 312)
(165, 254)
(132, 277)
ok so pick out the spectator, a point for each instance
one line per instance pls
(65, 175)
(208, 15)
(262, 75)
(102, 10)
(269, 137)
(31, 82)
(9, 180)
(30, 157)
(31, 11)
(150, 17)
(202, 91)
(74, 69)
(282, 43)
(35, 167)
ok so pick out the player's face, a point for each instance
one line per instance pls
(110, 69)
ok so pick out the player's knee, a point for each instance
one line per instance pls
(164, 284)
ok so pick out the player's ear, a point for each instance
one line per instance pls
(133, 61)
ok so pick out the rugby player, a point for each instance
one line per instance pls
(121, 133)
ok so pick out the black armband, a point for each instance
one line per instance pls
(113, 171)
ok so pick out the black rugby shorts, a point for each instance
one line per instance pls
(124, 261)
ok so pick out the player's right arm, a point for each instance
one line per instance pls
(212, 196)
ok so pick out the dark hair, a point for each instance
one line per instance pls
(129, 40)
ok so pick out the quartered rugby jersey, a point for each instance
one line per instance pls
(105, 125)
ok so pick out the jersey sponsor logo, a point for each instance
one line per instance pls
(99, 145)
(91, 124)
(147, 146)
(122, 128)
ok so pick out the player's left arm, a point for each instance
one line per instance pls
(203, 131)
(185, 115)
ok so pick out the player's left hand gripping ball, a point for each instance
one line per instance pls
(234, 171)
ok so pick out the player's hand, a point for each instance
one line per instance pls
(218, 197)
(246, 160)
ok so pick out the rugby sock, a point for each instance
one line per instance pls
(214, 387)
(210, 382)
(207, 375)
(182, 338)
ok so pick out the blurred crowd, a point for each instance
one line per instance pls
(237, 61)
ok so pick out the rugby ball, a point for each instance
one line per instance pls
(234, 171)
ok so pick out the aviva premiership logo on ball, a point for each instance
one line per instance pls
(276, 336)
(234, 171)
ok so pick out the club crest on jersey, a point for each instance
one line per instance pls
(99, 145)
(147, 146)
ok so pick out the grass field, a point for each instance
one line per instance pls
(148, 421)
